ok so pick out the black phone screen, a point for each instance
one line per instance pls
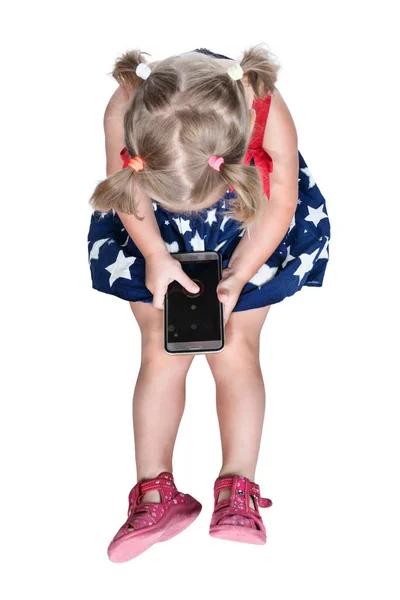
(195, 317)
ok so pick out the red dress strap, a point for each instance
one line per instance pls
(261, 106)
(262, 159)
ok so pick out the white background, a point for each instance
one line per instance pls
(329, 455)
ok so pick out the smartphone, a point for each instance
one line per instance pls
(194, 323)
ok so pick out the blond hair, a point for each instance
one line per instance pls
(188, 109)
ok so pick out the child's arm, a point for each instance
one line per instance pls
(114, 129)
(146, 233)
(280, 141)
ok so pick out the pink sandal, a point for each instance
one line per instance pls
(234, 519)
(152, 522)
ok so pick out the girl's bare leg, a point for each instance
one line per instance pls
(240, 394)
(159, 398)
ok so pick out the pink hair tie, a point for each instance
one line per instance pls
(215, 162)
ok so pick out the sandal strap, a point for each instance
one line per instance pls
(164, 480)
(240, 485)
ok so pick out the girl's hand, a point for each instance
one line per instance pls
(161, 270)
(228, 290)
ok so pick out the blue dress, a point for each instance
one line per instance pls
(117, 266)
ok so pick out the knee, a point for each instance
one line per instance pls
(155, 358)
(240, 353)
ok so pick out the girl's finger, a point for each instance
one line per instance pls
(158, 299)
(187, 283)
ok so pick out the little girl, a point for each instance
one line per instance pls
(209, 162)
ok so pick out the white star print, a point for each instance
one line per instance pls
(288, 258)
(311, 181)
(197, 242)
(264, 274)
(154, 205)
(224, 220)
(125, 243)
(315, 215)
(121, 267)
(218, 246)
(173, 247)
(307, 261)
(166, 222)
(241, 234)
(211, 216)
(324, 251)
(183, 225)
(94, 253)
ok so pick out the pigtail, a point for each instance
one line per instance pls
(124, 71)
(117, 192)
(261, 70)
(250, 196)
